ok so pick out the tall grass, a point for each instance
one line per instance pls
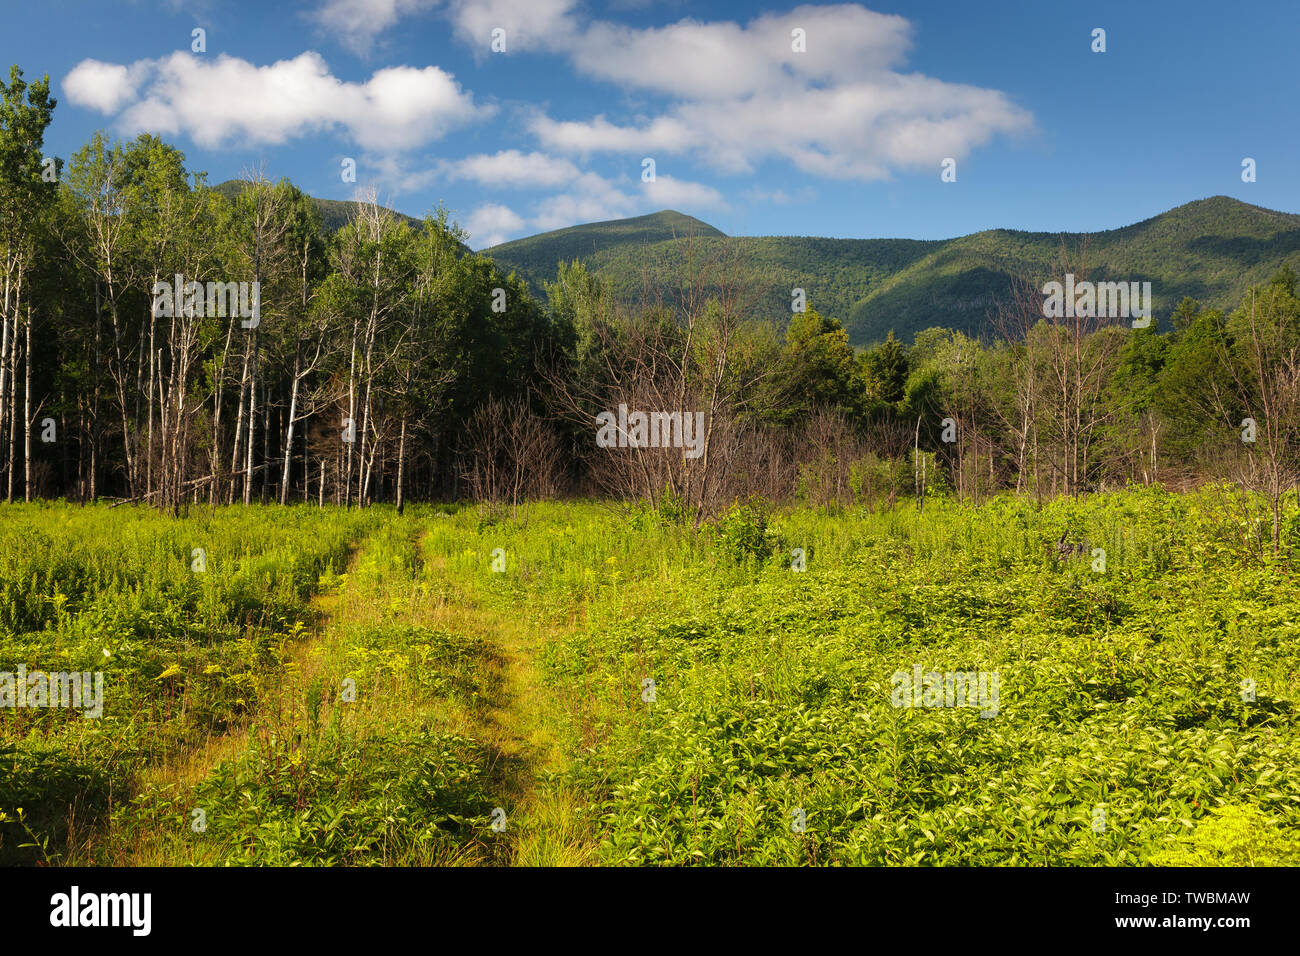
(1146, 645)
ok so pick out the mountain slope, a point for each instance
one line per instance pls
(537, 257)
(834, 273)
(1212, 249)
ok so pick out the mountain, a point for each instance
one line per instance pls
(536, 258)
(1211, 249)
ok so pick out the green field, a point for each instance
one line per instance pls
(454, 686)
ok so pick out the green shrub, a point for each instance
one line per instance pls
(743, 533)
(1234, 835)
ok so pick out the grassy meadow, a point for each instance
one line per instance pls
(587, 684)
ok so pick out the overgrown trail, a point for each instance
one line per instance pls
(449, 720)
(280, 712)
(523, 728)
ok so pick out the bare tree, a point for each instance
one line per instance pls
(1265, 364)
(1060, 379)
(514, 454)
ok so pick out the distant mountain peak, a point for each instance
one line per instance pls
(679, 220)
(652, 227)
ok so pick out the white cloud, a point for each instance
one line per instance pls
(741, 96)
(731, 95)
(595, 199)
(510, 168)
(394, 174)
(492, 224)
(587, 196)
(536, 25)
(666, 191)
(862, 131)
(218, 100)
(356, 23)
(665, 134)
(105, 87)
(723, 59)
(528, 24)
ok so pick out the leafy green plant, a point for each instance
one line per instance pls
(1234, 835)
(743, 532)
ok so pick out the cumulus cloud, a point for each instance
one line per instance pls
(736, 94)
(664, 134)
(395, 174)
(669, 191)
(536, 25)
(356, 23)
(492, 224)
(595, 203)
(723, 60)
(105, 87)
(594, 198)
(860, 131)
(740, 95)
(218, 100)
(509, 168)
(585, 196)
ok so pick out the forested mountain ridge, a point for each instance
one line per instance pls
(1210, 249)
(536, 257)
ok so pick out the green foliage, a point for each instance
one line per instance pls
(1119, 690)
(874, 478)
(743, 533)
(668, 510)
(538, 256)
(884, 370)
(1234, 836)
(26, 110)
(184, 654)
(334, 214)
(338, 799)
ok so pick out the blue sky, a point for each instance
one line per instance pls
(844, 138)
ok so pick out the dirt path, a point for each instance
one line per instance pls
(519, 721)
(523, 727)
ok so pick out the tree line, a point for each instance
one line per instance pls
(386, 362)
